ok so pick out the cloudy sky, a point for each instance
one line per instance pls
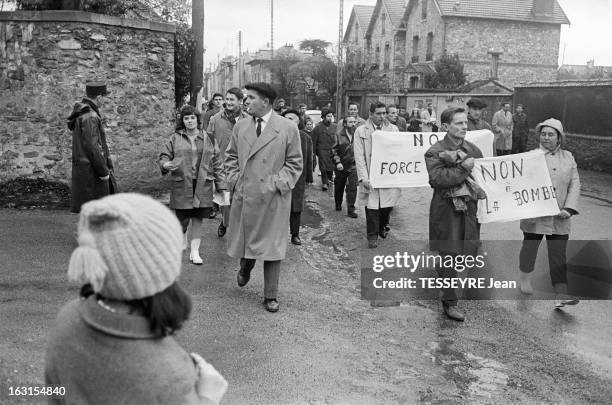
(294, 20)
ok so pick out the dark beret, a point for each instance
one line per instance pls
(476, 103)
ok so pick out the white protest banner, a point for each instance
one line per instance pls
(517, 187)
(398, 158)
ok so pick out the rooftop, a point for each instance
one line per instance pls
(570, 83)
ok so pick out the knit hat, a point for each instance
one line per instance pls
(130, 247)
(554, 124)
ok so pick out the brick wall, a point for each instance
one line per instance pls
(45, 60)
(530, 51)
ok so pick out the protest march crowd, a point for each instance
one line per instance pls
(250, 157)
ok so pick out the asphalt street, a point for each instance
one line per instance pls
(326, 345)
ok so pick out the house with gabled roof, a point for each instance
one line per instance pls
(510, 41)
(354, 37)
(385, 37)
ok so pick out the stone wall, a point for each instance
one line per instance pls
(45, 60)
(530, 51)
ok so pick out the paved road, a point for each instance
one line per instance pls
(326, 346)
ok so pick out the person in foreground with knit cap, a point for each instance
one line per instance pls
(115, 344)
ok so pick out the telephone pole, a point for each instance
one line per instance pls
(272, 28)
(197, 61)
(240, 59)
(339, 66)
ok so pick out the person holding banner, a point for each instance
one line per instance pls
(453, 225)
(564, 175)
(378, 202)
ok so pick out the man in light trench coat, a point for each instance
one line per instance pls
(378, 202)
(263, 162)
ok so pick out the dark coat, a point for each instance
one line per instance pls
(343, 150)
(261, 172)
(322, 141)
(521, 126)
(449, 229)
(90, 156)
(209, 168)
(297, 194)
(401, 124)
(475, 125)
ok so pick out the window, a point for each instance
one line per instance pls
(494, 64)
(383, 20)
(415, 49)
(429, 54)
(377, 56)
(414, 82)
(423, 9)
(387, 61)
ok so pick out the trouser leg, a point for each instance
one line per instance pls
(529, 251)
(557, 260)
(226, 214)
(271, 275)
(351, 190)
(449, 295)
(294, 223)
(339, 183)
(324, 178)
(246, 265)
(384, 218)
(372, 223)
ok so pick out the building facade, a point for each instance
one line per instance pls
(511, 41)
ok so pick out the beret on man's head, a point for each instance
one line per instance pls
(476, 103)
(264, 89)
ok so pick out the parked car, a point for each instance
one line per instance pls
(315, 115)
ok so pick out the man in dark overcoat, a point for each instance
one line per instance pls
(91, 163)
(520, 130)
(452, 231)
(262, 162)
(346, 171)
(323, 138)
(297, 194)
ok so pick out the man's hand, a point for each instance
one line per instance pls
(169, 166)
(564, 214)
(340, 167)
(468, 164)
(210, 384)
(366, 185)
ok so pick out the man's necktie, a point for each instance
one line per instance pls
(258, 130)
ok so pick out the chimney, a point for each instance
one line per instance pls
(543, 8)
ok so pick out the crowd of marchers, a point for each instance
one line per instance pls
(114, 343)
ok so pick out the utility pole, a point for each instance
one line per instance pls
(339, 66)
(240, 59)
(197, 61)
(272, 28)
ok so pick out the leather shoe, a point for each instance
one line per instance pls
(296, 240)
(242, 279)
(338, 207)
(353, 214)
(221, 230)
(271, 305)
(324, 187)
(383, 234)
(453, 313)
(372, 244)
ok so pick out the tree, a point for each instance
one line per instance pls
(325, 74)
(280, 66)
(448, 73)
(316, 46)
